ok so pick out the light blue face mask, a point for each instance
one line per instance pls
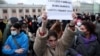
(13, 33)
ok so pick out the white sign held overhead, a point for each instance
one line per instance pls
(59, 9)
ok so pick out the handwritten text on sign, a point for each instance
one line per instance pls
(59, 9)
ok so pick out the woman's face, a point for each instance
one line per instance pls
(52, 41)
(14, 31)
(84, 30)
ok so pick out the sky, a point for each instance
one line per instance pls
(26, 1)
(41, 1)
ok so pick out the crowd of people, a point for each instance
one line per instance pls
(39, 36)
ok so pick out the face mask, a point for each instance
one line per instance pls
(79, 23)
(13, 33)
(23, 31)
(82, 33)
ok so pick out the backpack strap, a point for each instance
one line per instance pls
(16, 43)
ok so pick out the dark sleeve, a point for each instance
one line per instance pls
(73, 52)
(6, 32)
(97, 50)
(3, 27)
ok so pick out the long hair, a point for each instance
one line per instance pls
(57, 27)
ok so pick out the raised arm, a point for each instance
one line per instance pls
(67, 37)
(41, 37)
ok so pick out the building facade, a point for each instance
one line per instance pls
(87, 7)
(18, 10)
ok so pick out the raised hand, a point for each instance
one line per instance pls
(44, 17)
(44, 22)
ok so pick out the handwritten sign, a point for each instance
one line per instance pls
(59, 9)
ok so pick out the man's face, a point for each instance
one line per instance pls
(25, 28)
(52, 42)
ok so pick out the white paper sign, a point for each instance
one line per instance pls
(59, 9)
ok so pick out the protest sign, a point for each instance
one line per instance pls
(59, 9)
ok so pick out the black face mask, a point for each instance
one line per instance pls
(23, 31)
(82, 33)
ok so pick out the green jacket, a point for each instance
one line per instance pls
(6, 32)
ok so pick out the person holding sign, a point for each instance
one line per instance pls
(47, 43)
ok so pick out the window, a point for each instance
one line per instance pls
(27, 11)
(20, 10)
(4, 10)
(39, 10)
(34, 10)
(13, 11)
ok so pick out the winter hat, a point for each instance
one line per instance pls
(13, 20)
